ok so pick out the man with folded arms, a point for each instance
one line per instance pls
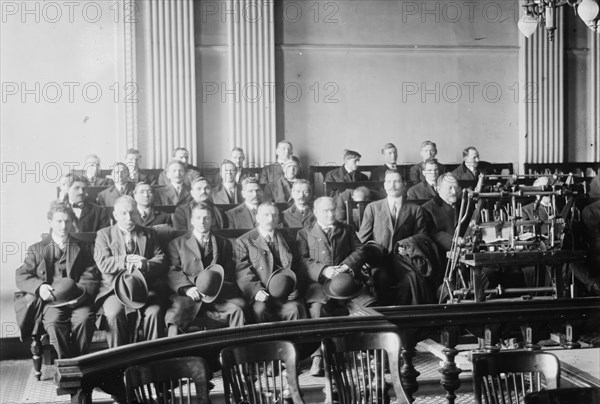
(426, 188)
(328, 249)
(127, 246)
(229, 191)
(92, 172)
(88, 217)
(149, 215)
(244, 216)
(280, 190)
(190, 255)
(201, 193)
(263, 255)
(176, 192)
(60, 271)
(121, 186)
(300, 213)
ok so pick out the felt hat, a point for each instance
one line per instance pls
(67, 292)
(209, 282)
(131, 288)
(342, 286)
(281, 283)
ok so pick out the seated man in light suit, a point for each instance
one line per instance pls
(149, 215)
(177, 192)
(88, 217)
(192, 172)
(52, 267)
(426, 189)
(121, 186)
(280, 190)
(127, 246)
(244, 216)
(385, 222)
(201, 193)
(191, 254)
(390, 156)
(258, 255)
(229, 191)
(300, 213)
(92, 176)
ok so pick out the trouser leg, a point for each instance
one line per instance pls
(118, 332)
(57, 325)
(82, 329)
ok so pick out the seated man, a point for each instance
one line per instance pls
(192, 172)
(280, 190)
(177, 192)
(426, 189)
(271, 172)
(88, 216)
(121, 186)
(201, 193)
(92, 175)
(61, 273)
(348, 171)
(127, 246)
(258, 255)
(428, 151)
(191, 254)
(244, 216)
(360, 194)
(390, 156)
(300, 213)
(471, 167)
(237, 157)
(327, 249)
(229, 191)
(150, 216)
(133, 159)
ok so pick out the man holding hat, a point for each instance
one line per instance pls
(59, 272)
(202, 274)
(265, 265)
(133, 267)
(331, 256)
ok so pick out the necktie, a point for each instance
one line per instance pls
(78, 205)
(328, 233)
(129, 243)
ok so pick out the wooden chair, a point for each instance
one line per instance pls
(168, 381)
(508, 376)
(355, 368)
(247, 379)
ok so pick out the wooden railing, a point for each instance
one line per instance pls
(104, 369)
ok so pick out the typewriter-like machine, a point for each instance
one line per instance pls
(498, 237)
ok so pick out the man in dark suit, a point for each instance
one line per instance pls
(300, 213)
(88, 217)
(244, 216)
(121, 186)
(237, 157)
(259, 253)
(92, 175)
(57, 257)
(191, 254)
(229, 191)
(149, 215)
(390, 156)
(348, 171)
(192, 172)
(128, 246)
(428, 151)
(471, 166)
(133, 158)
(328, 248)
(177, 192)
(280, 190)
(426, 189)
(201, 193)
(271, 172)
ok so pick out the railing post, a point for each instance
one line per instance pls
(530, 338)
(571, 338)
(408, 372)
(490, 338)
(450, 381)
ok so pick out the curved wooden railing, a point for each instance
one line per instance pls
(104, 369)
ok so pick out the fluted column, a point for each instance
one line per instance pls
(252, 76)
(594, 94)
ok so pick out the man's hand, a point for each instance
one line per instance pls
(134, 261)
(194, 293)
(261, 296)
(45, 292)
(332, 271)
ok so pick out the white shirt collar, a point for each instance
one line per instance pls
(59, 242)
(251, 206)
(199, 236)
(264, 234)
(394, 201)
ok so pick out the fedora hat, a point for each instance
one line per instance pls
(209, 282)
(67, 292)
(281, 283)
(343, 286)
(131, 288)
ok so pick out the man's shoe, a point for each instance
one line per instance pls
(316, 369)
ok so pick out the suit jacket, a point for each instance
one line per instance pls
(168, 196)
(254, 261)
(220, 196)
(341, 175)
(110, 255)
(415, 174)
(377, 223)
(93, 218)
(378, 174)
(240, 217)
(145, 177)
(183, 215)
(292, 217)
(110, 195)
(98, 182)
(270, 173)
(278, 191)
(441, 220)
(421, 191)
(462, 173)
(156, 217)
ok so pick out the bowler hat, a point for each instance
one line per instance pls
(281, 283)
(131, 288)
(342, 286)
(209, 282)
(67, 292)
(374, 253)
